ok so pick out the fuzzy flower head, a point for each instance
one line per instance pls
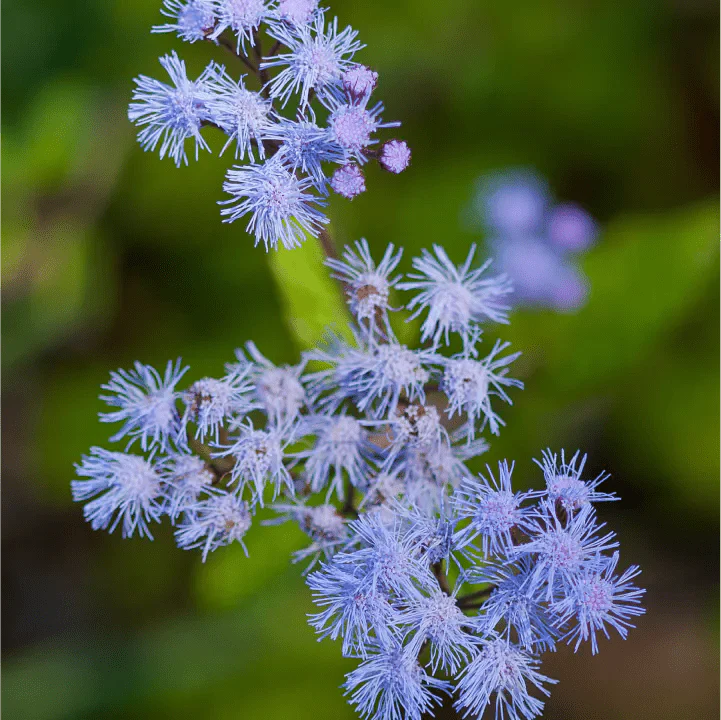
(191, 21)
(359, 82)
(457, 298)
(599, 599)
(564, 484)
(504, 670)
(146, 403)
(297, 12)
(470, 384)
(493, 510)
(209, 403)
(305, 147)
(392, 685)
(563, 550)
(258, 459)
(171, 114)
(281, 208)
(242, 17)
(186, 477)
(341, 448)
(367, 286)
(352, 127)
(316, 59)
(278, 390)
(219, 520)
(395, 156)
(348, 181)
(244, 115)
(126, 491)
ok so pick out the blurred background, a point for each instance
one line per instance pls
(110, 255)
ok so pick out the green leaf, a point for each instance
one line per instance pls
(312, 300)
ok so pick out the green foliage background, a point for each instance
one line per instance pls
(110, 255)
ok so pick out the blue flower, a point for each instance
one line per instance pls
(513, 202)
(242, 17)
(597, 599)
(257, 457)
(505, 670)
(218, 520)
(316, 59)
(391, 685)
(367, 285)
(146, 402)
(359, 82)
(352, 126)
(278, 390)
(210, 403)
(571, 228)
(348, 181)
(493, 511)
(282, 210)
(341, 449)
(439, 621)
(564, 482)
(305, 147)
(186, 477)
(470, 384)
(171, 114)
(457, 298)
(192, 21)
(563, 549)
(297, 12)
(127, 491)
(243, 114)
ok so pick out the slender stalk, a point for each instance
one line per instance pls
(326, 242)
(474, 599)
(440, 574)
(228, 45)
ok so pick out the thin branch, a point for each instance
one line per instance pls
(228, 45)
(441, 577)
(326, 242)
(474, 599)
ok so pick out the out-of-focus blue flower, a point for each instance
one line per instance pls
(244, 115)
(391, 685)
(218, 520)
(281, 208)
(598, 599)
(171, 114)
(317, 57)
(457, 298)
(492, 509)
(571, 228)
(146, 403)
(126, 490)
(502, 669)
(242, 17)
(564, 483)
(191, 21)
(514, 202)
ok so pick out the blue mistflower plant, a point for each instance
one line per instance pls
(446, 586)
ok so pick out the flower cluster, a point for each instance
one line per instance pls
(534, 241)
(302, 115)
(439, 581)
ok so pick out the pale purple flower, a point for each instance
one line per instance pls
(352, 126)
(171, 114)
(191, 21)
(186, 477)
(571, 228)
(316, 59)
(125, 489)
(348, 181)
(146, 403)
(456, 297)
(359, 82)
(395, 156)
(281, 208)
(242, 17)
(297, 12)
